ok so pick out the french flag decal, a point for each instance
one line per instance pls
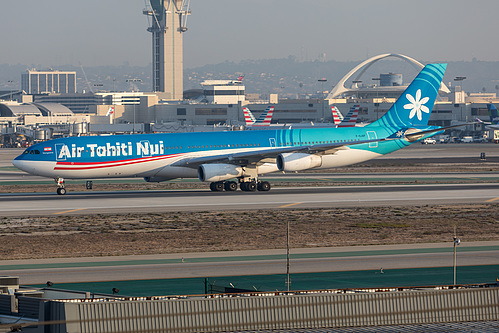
(47, 149)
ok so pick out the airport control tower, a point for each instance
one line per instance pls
(167, 20)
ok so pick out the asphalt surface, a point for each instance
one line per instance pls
(238, 263)
(20, 204)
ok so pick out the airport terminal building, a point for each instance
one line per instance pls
(218, 105)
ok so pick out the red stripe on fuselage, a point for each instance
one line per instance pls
(109, 164)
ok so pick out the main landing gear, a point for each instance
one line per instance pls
(60, 182)
(250, 186)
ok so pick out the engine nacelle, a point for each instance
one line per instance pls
(297, 161)
(218, 172)
(157, 179)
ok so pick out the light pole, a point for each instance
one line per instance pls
(456, 241)
(322, 81)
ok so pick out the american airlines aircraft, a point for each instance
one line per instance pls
(264, 119)
(349, 121)
(223, 157)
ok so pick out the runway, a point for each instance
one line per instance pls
(327, 195)
(21, 204)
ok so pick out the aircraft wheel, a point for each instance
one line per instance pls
(61, 191)
(230, 186)
(219, 186)
(264, 186)
(212, 186)
(243, 186)
(251, 186)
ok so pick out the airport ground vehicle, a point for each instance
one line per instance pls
(429, 141)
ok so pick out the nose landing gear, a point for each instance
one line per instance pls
(60, 182)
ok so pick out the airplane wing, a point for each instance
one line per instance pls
(260, 156)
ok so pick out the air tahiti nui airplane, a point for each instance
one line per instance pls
(223, 157)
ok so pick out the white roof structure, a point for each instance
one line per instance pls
(340, 89)
(37, 109)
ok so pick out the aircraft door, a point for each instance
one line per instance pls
(372, 136)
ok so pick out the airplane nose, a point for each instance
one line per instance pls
(20, 164)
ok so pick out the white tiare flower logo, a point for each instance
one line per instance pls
(416, 105)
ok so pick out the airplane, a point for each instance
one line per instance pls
(494, 118)
(351, 118)
(222, 157)
(264, 119)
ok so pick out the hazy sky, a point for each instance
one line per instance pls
(111, 32)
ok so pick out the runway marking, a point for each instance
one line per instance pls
(69, 211)
(492, 200)
(291, 204)
(229, 204)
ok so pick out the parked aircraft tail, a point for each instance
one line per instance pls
(494, 115)
(266, 117)
(351, 117)
(337, 116)
(249, 118)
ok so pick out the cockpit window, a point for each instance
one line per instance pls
(31, 152)
(37, 152)
(26, 152)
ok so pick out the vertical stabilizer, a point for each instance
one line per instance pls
(337, 116)
(494, 115)
(266, 117)
(414, 106)
(351, 118)
(249, 118)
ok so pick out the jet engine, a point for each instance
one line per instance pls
(218, 172)
(297, 161)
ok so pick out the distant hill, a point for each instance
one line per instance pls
(287, 76)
